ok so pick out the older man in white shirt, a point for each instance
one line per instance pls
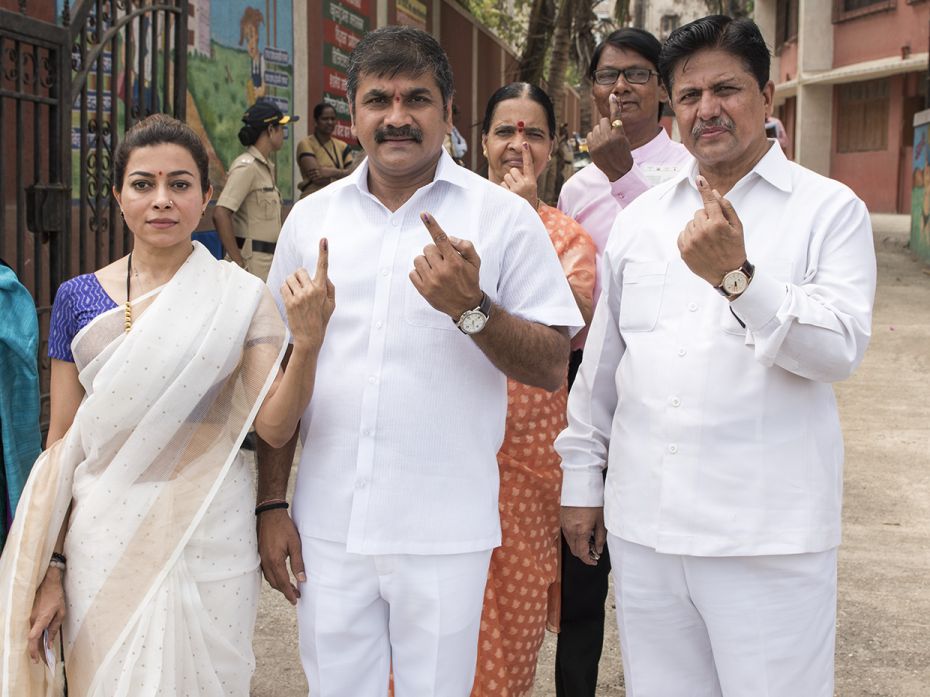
(396, 496)
(736, 294)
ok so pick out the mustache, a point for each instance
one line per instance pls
(719, 122)
(412, 132)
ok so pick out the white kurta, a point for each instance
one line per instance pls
(401, 436)
(722, 439)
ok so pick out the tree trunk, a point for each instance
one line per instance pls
(539, 30)
(558, 63)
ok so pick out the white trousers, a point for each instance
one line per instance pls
(725, 626)
(360, 616)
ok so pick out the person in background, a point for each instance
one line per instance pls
(734, 296)
(321, 157)
(774, 128)
(20, 436)
(247, 214)
(518, 135)
(566, 152)
(455, 143)
(630, 152)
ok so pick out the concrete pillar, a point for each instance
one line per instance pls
(299, 61)
(381, 14)
(763, 15)
(814, 132)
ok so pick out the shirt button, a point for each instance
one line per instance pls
(675, 402)
(384, 272)
(379, 324)
(366, 432)
(682, 351)
(361, 484)
(672, 448)
(372, 379)
(395, 221)
(692, 307)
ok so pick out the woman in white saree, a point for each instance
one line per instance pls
(142, 494)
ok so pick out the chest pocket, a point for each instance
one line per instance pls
(641, 297)
(420, 313)
(268, 203)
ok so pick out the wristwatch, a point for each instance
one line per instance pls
(736, 281)
(473, 321)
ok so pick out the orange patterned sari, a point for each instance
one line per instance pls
(522, 595)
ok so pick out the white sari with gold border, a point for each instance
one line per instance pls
(162, 576)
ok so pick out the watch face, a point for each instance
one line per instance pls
(735, 282)
(472, 322)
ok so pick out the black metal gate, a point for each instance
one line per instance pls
(70, 83)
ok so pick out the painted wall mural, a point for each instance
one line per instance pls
(239, 51)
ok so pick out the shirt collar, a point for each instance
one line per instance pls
(646, 151)
(446, 170)
(257, 154)
(774, 168)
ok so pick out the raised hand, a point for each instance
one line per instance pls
(309, 302)
(446, 274)
(523, 183)
(608, 145)
(712, 242)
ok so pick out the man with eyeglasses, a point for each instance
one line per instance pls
(630, 152)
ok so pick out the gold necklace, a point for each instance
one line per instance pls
(128, 323)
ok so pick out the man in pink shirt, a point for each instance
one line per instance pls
(630, 152)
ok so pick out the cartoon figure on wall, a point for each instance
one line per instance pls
(249, 33)
(920, 193)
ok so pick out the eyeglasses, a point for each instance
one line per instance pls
(635, 76)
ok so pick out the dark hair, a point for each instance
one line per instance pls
(519, 90)
(740, 37)
(320, 108)
(250, 133)
(631, 39)
(392, 51)
(158, 129)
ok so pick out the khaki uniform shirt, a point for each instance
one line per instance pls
(335, 153)
(253, 197)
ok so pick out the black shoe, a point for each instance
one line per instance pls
(249, 442)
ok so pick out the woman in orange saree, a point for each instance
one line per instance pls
(521, 598)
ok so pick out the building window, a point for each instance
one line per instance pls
(850, 9)
(786, 22)
(862, 116)
(667, 25)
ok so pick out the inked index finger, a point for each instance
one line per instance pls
(614, 104)
(322, 262)
(528, 162)
(440, 238)
(711, 204)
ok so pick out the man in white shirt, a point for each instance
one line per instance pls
(395, 505)
(734, 296)
(630, 152)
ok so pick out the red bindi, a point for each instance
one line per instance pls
(159, 173)
(520, 126)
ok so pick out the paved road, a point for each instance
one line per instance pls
(883, 642)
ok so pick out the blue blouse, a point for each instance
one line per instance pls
(77, 302)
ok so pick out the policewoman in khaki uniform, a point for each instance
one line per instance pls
(247, 214)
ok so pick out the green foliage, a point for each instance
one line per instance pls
(508, 19)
